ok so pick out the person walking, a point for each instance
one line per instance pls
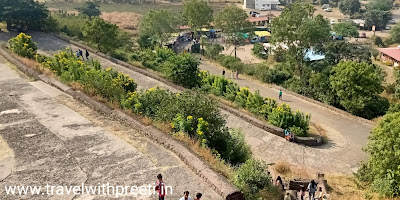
(223, 72)
(237, 74)
(81, 54)
(160, 187)
(77, 54)
(87, 54)
(198, 196)
(186, 196)
(302, 192)
(312, 187)
(280, 94)
(279, 183)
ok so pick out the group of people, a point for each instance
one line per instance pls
(233, 74)
(160, 188)
(312, 192)
(79, 53)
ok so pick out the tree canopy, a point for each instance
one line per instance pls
(102, 34)
(343, 51)
(395, 34)
(300, 31)
(346, 29)
(233, 21)
(382, 170)
(159, 25)
(90, 9)
(197, 14)
(357, 85)
(28, 13)
(349, 7)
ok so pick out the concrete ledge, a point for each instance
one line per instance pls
(219, 183)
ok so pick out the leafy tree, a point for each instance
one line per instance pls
(102, 34)
(349, 7)
(357, 86)
(213, 50)
(258, 50)
(300, 31)
(28, 13)
(197, 14)
(395, 34)
(397, 87)
(343, 51)
(251, 177)
(183, 69)
(159, 24)
(346, 29)
(233, 20)
(376, 40)
(145, 41)
(385, 5)
(377, 17)
(90, 9)
(382, 170)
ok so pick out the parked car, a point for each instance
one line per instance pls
(255, 40)
(263, 9)
(392, 21)
(363, 35)
(328, 9)
(388, 27)
(325, 6)
(333, 21)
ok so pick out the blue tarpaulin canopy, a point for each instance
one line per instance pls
(311, 55)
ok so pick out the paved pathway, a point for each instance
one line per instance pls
(346, 136)
(53, 144)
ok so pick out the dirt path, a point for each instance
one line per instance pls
(53, 144)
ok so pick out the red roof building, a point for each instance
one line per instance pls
(390, 55)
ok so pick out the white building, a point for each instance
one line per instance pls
(257, 4)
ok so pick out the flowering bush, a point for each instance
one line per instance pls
(23, 45)
(106, 83)
(283, 117)
(267, 108)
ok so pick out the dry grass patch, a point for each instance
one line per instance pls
(348, 187)
(282, 167)
(125, 20)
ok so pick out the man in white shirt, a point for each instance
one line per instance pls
(186, 196)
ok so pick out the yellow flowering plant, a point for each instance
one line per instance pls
(23, 45)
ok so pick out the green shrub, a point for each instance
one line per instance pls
(23, 45)
(241, 97)
(71, 25)
(282, 116)
(229, 61)
(251, 177)
(277, 75)
(376, 40)
(258, 50)
(183, 70)
(254, 103)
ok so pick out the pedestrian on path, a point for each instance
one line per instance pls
(198, 196)
(81, 54)
(77, 54)
(223, 72)
(237, 74)
(87, 54)
(279, 183)
(280, 94)
(186, 196)
(312, 188)
(302, 192)
(160, 187)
